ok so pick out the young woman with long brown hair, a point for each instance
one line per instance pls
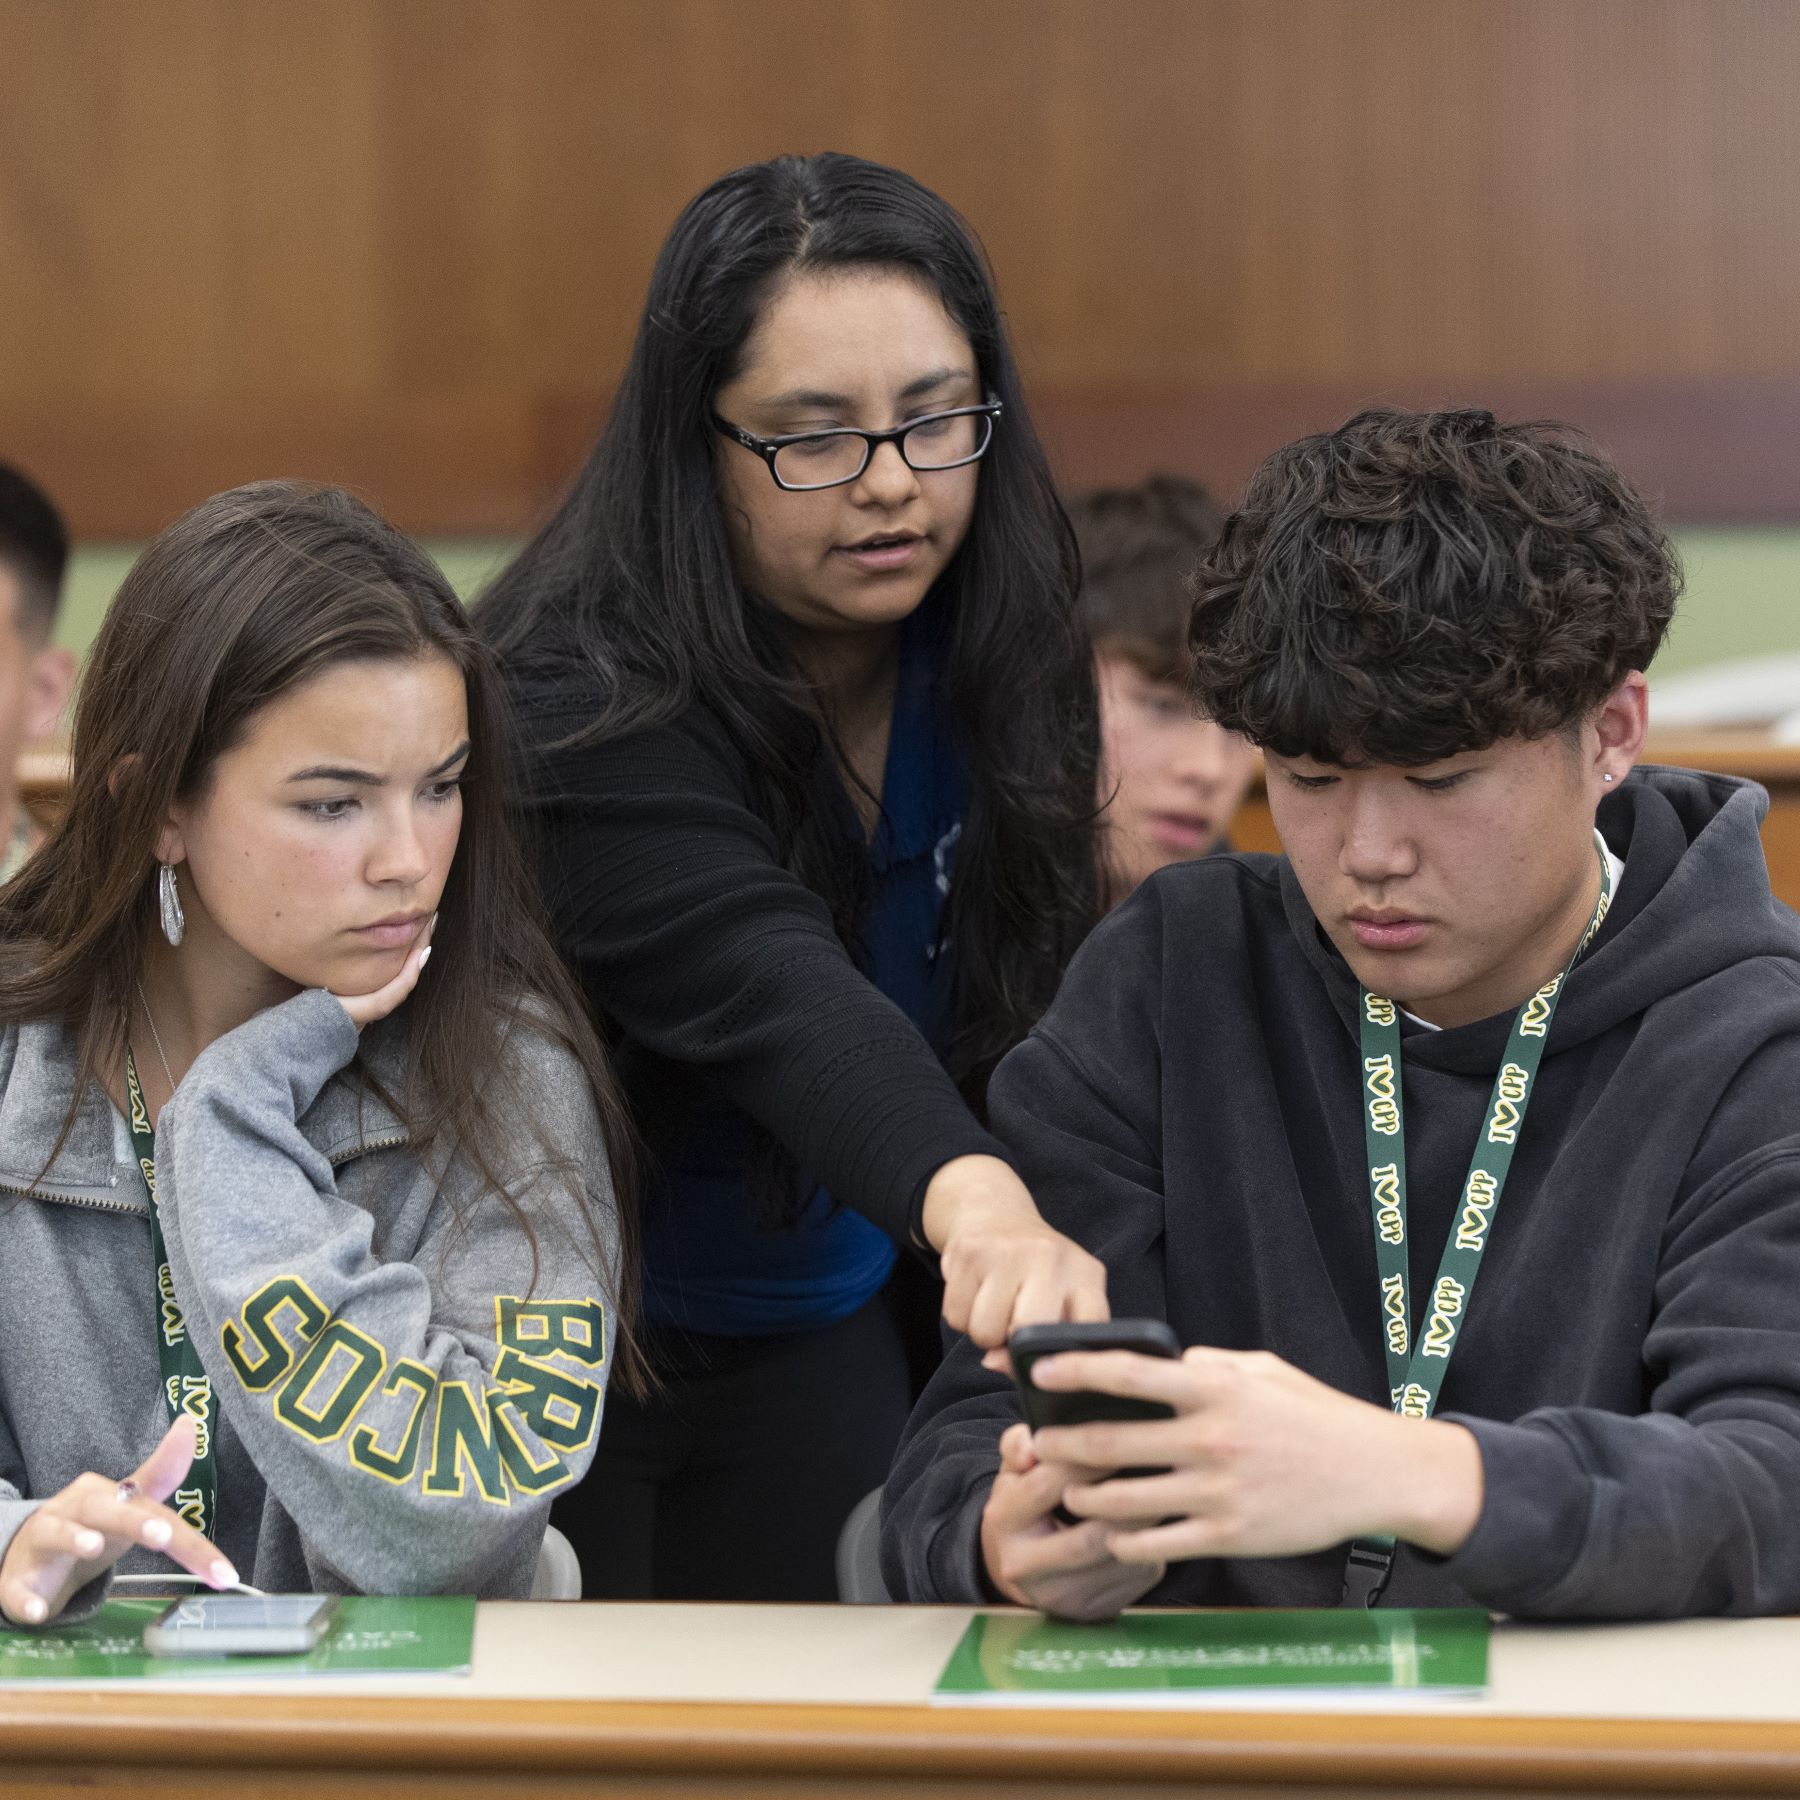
(313, 1261)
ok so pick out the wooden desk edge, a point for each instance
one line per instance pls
(64, 1730)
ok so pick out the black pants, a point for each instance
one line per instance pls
(731, 1482)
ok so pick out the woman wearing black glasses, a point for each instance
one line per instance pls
(814, 775)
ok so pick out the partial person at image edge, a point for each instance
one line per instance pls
(1170, 780)
(813, 769)
(1435, 626)
(35, 674)
(393, 1273)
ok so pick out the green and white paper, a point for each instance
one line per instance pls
(1334, 1657)
(369, 1635)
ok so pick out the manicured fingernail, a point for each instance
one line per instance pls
(423, 960)
(89, 1543)
(222, 1574)
(36, 1610)
(157, 1532)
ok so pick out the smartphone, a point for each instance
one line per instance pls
(1078, 1406)
(1147, 1337)
(241, 1625)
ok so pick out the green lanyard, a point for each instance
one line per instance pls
(186, 1385)
(1416, 1371)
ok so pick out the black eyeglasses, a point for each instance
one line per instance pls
(805, 460)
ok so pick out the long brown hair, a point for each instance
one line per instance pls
(239, 601)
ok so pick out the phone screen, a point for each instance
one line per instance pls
(245, 1612)
(241, 1625)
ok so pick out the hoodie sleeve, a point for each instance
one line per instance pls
(1690, 1507)
(673, 906)
(1085, 1135)
(412, 1409)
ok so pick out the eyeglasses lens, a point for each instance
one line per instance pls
(939, 443)
(832, 457)
(820, 461)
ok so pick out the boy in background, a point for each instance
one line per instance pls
(1169, 779)
(35, 675)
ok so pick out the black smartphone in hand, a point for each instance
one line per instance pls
(1147, 1337)
(1079, 1406)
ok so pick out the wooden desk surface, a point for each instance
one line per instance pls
(777, 1701)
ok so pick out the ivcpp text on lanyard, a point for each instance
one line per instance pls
(1416, 1369)
(186, 1385)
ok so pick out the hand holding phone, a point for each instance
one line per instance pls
(1030, 1343)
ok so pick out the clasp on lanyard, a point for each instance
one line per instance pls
(1366, 1573)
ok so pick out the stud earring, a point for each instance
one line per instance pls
(1606, 778)
(174, 921)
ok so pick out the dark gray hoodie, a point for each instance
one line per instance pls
(392, 1422)
(1189, 1109)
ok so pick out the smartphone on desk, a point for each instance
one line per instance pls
(241, 1625)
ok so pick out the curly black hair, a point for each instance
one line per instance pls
(1418, 584)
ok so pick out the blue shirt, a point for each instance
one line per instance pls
(709, 1264)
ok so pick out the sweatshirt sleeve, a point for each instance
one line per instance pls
(1085, 1136)
(412, 1408)
(1688, 1508)
(686, 931)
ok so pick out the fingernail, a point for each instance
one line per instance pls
(223, 1574)
(89, 1543)
(423, 960)
(37, 1610)
(157, 1532)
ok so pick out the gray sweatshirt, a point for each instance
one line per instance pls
(402, 1386)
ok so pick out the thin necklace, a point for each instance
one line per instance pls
(156, 1036)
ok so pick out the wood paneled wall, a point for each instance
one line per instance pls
(403, 242)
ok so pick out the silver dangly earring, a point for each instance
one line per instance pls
(174, 921)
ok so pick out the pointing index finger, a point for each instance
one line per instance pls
(160, 1473)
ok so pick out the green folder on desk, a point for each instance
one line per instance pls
(369, 1635)
(1341, 1657)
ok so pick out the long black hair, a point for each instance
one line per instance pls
(632, 580)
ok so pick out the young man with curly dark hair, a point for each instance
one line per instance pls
(1505, 1008)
